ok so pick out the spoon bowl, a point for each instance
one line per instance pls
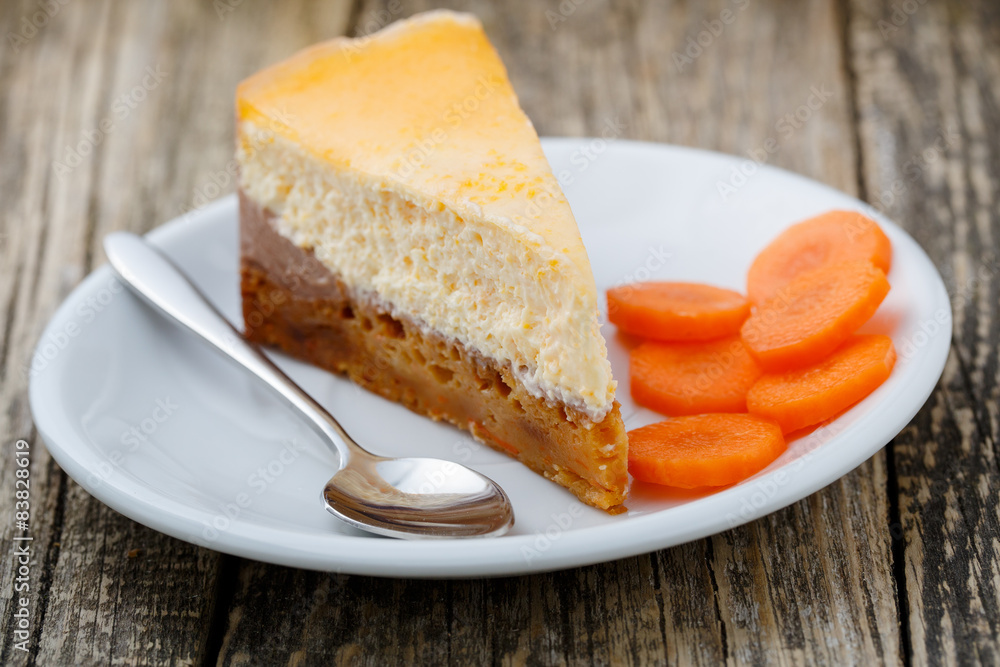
(405, 498)
(426, 498)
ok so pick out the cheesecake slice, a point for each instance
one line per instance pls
(399, 224)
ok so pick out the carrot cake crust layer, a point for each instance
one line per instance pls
(293, 302)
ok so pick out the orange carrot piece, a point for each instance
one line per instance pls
(831, 238)
(677, 311)
(692, 378)
(814, 314)
(811, 395)
(703, 450)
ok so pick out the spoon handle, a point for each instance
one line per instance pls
(152, 276)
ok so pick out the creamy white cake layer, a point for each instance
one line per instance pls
(470, 279)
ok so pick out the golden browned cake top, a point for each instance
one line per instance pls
(424, 110)
(426, 104)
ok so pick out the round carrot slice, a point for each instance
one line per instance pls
(811, 395)
(677, 311)
(831, 238)
(703, 450)
(814, 314)
(692, 378)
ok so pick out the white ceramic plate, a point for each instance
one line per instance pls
(153, 423)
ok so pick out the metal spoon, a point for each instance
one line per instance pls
(407, 498)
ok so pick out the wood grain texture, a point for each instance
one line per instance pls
(928, 80)
(815, 583)
(107, 89)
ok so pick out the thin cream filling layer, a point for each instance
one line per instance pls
(468, 279)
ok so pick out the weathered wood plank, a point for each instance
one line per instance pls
(928, 78)
(135, 100)
(811, 584)
(89, 601)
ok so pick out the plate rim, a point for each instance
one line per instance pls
(478, 558)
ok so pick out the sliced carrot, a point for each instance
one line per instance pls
(814, 314)
(811, 395)
(703, 450)
(831, 238)
(692, 378)
(677, 311)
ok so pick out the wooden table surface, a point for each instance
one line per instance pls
(896, 101)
